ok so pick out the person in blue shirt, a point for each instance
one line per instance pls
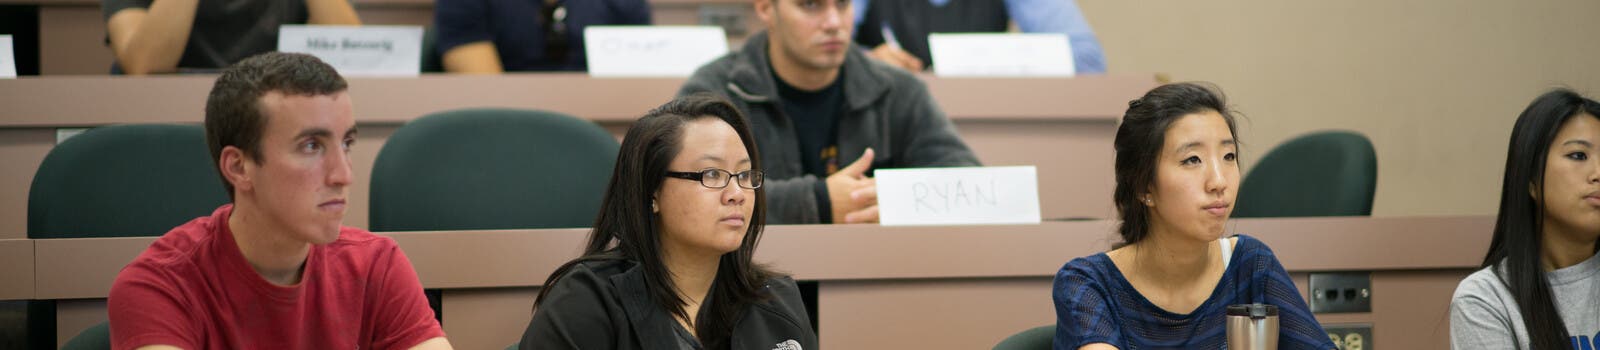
(494, 36)
(897, 30)
(1169, 283)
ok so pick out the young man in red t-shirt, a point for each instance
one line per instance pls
(275, 269)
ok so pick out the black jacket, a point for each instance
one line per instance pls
(886, 109)
(604, 305)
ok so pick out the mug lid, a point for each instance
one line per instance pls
(1253, 310)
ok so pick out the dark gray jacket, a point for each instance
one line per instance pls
(604, 305)
(887, 109)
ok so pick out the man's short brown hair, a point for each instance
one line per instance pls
(233, 110)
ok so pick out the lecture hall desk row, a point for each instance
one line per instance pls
(954, 287)
(1064, 126)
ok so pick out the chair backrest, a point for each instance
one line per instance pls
(1328, 173)
(491, 169)
(1036, 338)
(432, 59)
(124, 180)
(94, 338)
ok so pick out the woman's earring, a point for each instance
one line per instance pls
(653, 207)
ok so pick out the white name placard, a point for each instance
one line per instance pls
(651, 51)
(1001, 55)
(358, 50)
(958, 196)
(8, 58)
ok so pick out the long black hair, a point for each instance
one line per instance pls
(1138, 145)
(626, 229)
(1519, 227)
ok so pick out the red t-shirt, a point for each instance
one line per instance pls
(193, 289)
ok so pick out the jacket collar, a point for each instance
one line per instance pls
(651, 323)
(752, 80)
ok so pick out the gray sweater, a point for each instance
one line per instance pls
(1483, 315)
(886, 109)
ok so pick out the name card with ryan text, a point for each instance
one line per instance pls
(651, 51)
(384, 51)
(1001, 55)
(958, 196)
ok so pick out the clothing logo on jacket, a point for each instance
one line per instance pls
(787, 345)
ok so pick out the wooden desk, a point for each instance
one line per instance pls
(1063, 126)
(889, 287)
(16, 269)
(47, 102)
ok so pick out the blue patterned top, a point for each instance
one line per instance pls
(1095, 304)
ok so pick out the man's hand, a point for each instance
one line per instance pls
(854, 195)
(896, 57)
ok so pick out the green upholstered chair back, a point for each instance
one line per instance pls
(1037, 338)
(94, 338)
(479, 169)
(1329, 173)
(124, 180)
(432, 59)
(118, 181)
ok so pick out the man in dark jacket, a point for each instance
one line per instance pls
(813, 98)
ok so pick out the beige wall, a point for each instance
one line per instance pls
(1436, 84)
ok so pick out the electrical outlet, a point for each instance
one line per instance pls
(729, 17)
(1341, 292)
(1354, 336)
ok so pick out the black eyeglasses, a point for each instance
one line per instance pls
(718, 178)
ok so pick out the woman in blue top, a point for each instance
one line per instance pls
(1168, 284)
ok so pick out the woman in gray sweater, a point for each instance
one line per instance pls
(1540, 283)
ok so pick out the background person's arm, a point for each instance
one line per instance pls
(149, 39)
(434, 344)
(465, 42)
(332, 12)
(895, 56)
(1061, 16)
(473, 58)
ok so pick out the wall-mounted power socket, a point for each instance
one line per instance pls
(1351, 336)
(1341, 292)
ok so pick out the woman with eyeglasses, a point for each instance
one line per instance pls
(669, 259)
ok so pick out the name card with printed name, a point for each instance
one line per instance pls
(8, 58)
(958, 196)
(1001, 55)
(392, 51)
(651, 51)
